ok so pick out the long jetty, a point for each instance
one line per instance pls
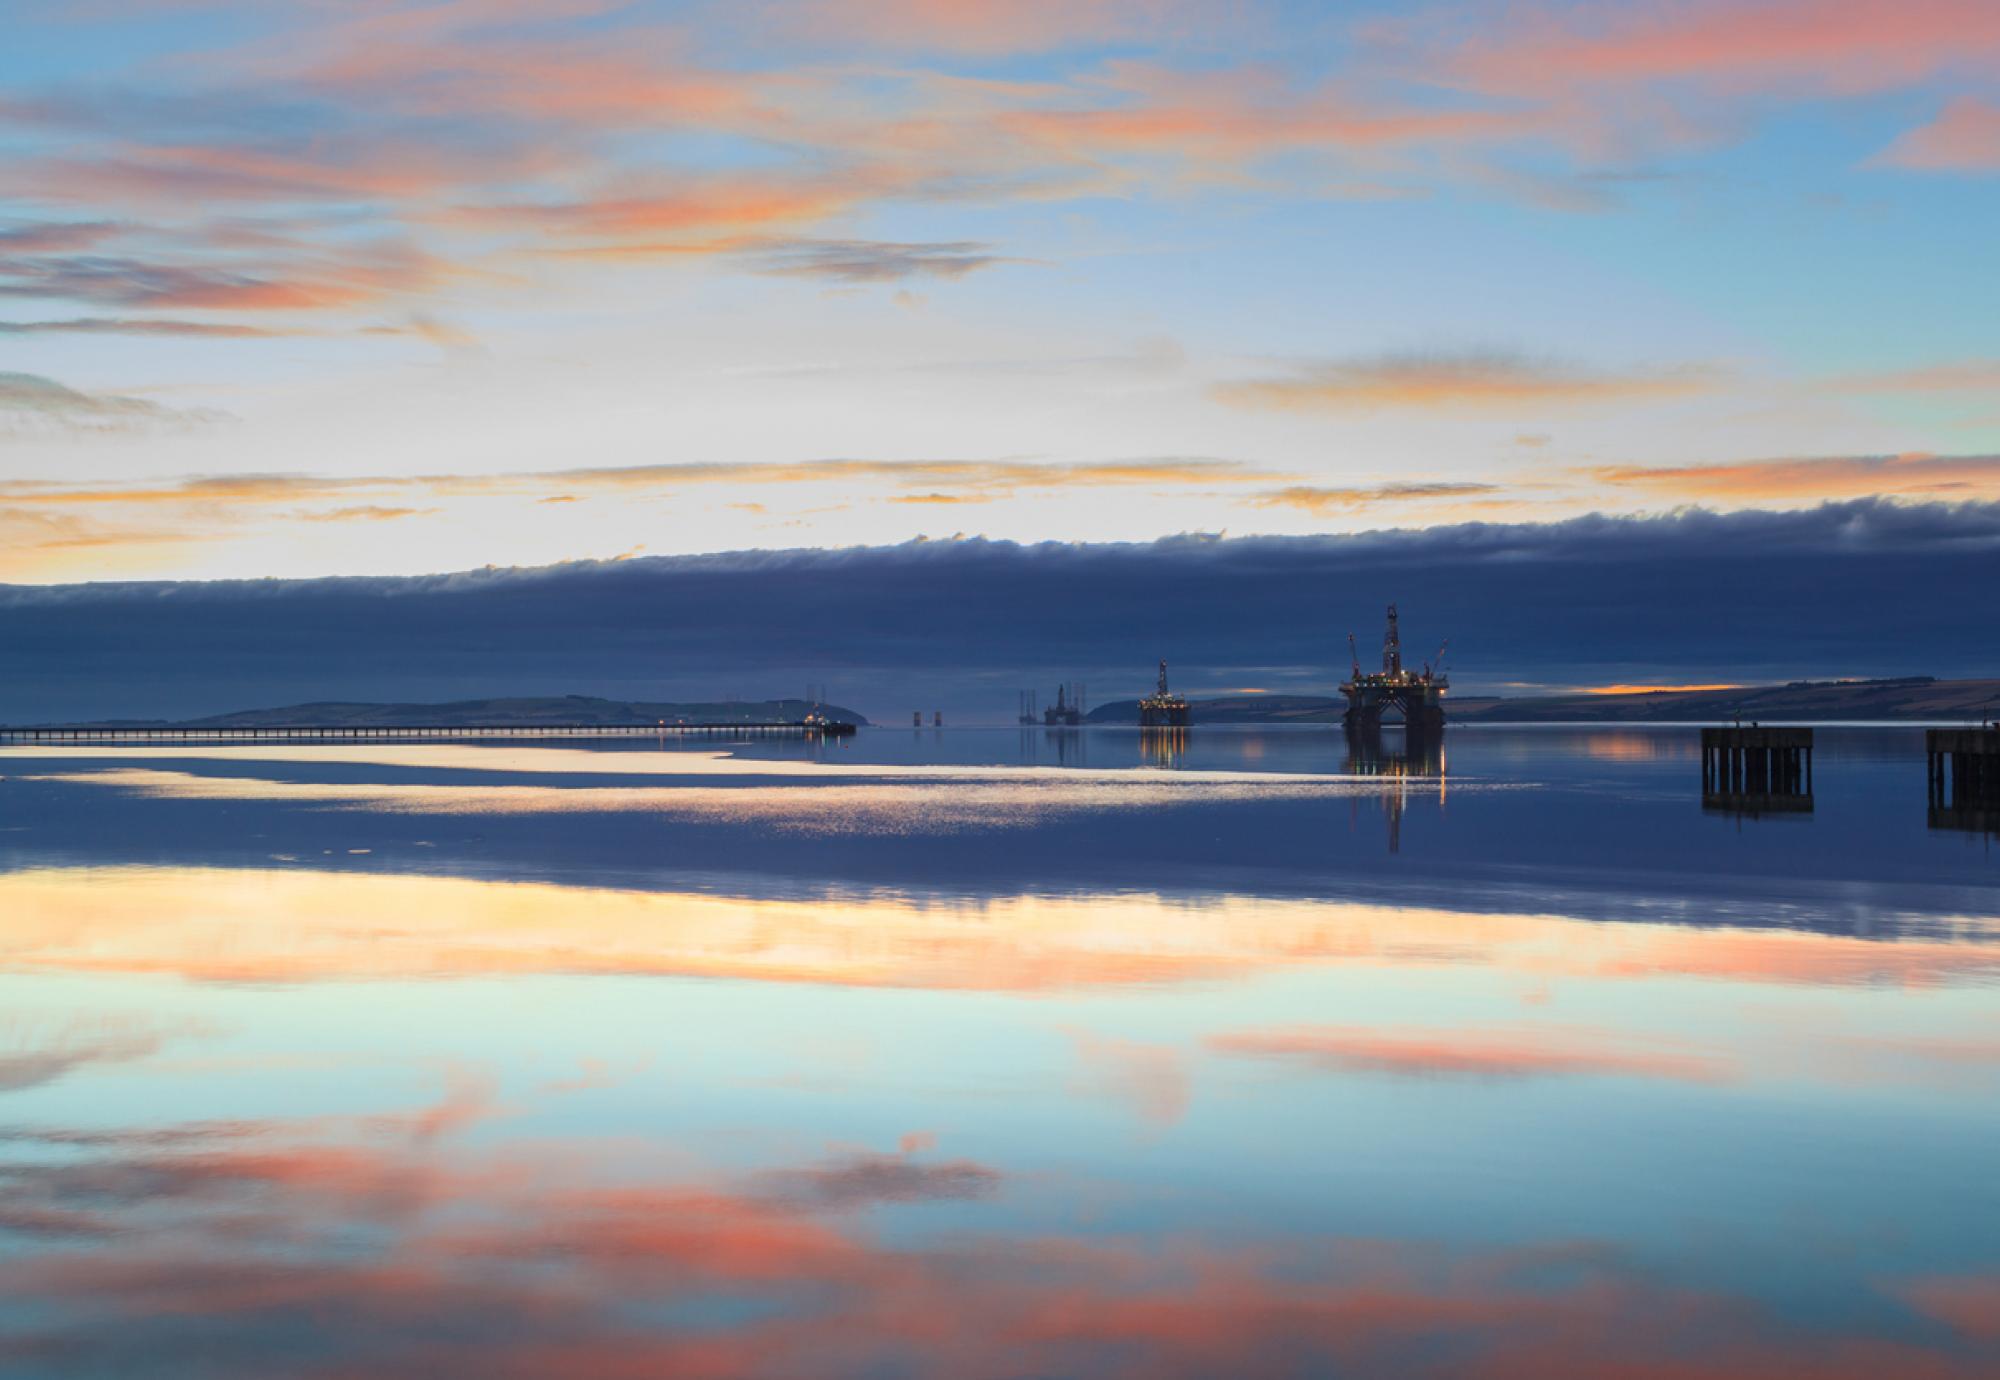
(347, 733)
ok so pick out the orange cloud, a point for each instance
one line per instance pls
(1978, 375)
(449, 68)
(39, 544)
(1482, 382)
(1653, 689)
(1323, 501)
(1967, 476)
(682, 218)
(212, 925)
(204, 489)
(982, 477)
(977, 480)
(366, 512)
(1526, 1052)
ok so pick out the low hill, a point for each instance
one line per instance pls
(1912, 698)
(1909, 698)
(1239, 709)
(525, 712)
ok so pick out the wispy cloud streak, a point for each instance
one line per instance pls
(1473, 381)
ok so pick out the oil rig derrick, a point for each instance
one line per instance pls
(1067, 711)
(1163, 708)
(1414, 697)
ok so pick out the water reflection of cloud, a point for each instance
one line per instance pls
(228, 925)
(863, 1180)
(1152, 1079)
(39, 1050)
(996, 800)
(717, 765)
(1969, 1304)
(379, 1256)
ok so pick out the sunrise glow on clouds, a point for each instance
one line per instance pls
(426, 284)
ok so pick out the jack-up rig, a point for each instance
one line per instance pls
(1066, 712)
(1163, 708)
(1416, 697)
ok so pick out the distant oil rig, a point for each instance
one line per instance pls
(1416, 697)
(1163, 708)
(1066, 712)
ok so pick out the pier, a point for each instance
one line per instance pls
(1755, 770)
(1964, 775)
(385, 733)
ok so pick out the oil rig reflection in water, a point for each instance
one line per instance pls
(1415, 698)
(1418, 757)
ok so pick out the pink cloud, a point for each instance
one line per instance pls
(503, 1268)
(988, 26)
(1968, 1304)
(1836, 46)
(1964, 138)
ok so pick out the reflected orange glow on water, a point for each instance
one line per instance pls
(988, 800)
(318, 1116)
(218, 924)
(564, 761)
(1635, 747)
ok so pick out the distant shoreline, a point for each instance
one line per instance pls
(1902, 700)
(521, 712)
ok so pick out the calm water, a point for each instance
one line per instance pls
(994, 1054)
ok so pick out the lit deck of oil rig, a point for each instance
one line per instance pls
(1417, 697)
(1163, 708)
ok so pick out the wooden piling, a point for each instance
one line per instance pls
(1751, 770)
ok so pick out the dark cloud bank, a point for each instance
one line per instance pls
(1863, 588)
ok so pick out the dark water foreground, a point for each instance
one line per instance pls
(995, 1054)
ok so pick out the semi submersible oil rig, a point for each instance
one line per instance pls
(1163, 708)
(1416, 697)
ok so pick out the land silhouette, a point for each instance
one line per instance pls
(1914, 699)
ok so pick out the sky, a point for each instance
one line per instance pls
(386, 287)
